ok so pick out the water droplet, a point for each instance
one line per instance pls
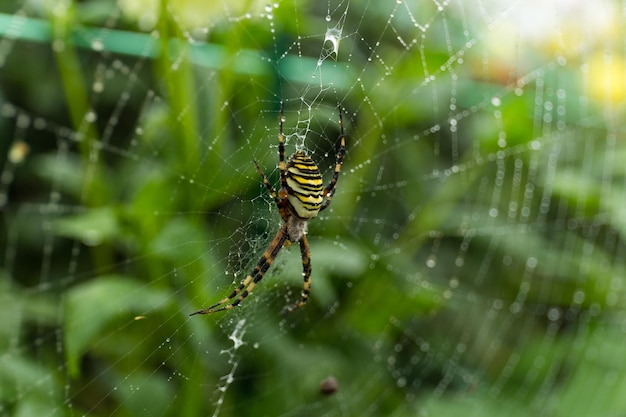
(18, 152)
(90, 117)
(97, 45)
(97, 87)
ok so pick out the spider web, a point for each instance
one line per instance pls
(471, 261)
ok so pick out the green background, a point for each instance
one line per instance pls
(471, 262)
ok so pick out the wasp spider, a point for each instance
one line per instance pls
(300, 199)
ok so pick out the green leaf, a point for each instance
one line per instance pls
(91, 227)
(580, 189)
(143, 392)
(92, 306)
(596, 369)
(36, 405)
(66, 173)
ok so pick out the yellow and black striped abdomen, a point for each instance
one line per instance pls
(304, 186)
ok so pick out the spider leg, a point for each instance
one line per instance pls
(306, 273)
(330, 188)
(281, 197)
(268, 185)
(281, 155)
(244, 289)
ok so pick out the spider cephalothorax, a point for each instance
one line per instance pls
(299, 199)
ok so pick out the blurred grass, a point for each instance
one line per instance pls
(440, 239)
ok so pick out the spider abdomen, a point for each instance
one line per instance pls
(305, 186)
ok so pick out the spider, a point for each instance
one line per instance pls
(299, 199)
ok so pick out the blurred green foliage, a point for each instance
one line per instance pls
(470, 259)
